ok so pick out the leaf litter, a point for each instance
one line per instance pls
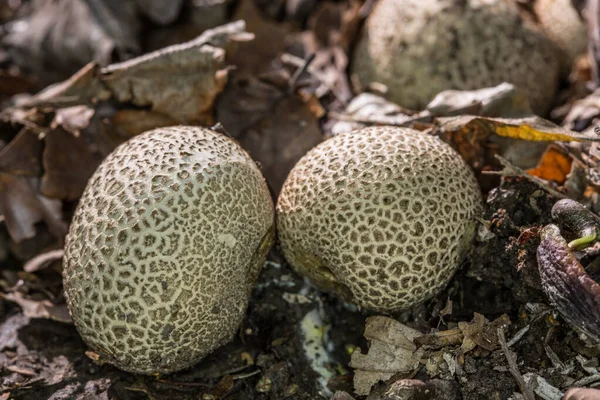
(278, 84)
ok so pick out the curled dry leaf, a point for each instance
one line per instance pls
(504, 100)
(392, 351)
(180, 81)
(566, 283)
(39, 308)
(532, 128)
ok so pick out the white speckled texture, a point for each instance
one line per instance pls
(165, 247)
(382, 216)
(418, 48)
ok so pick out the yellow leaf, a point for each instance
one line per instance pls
(531, 128)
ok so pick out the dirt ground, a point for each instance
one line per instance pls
(492, 333)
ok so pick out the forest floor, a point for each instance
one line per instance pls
(279, 91)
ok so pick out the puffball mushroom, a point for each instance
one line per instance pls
(565, 27)
(164, 248)
(381, 216)
(418, 48)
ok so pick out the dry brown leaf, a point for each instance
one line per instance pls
(276, 127)
(22, 207)
(181, 83)
(270, 36)
(66, 172)
(96, 31)
(478, 332)
(129, 123)
(39, 309)
(22, 155)
(20, 204)
(555, 165)
(392, 351)
(83, 88)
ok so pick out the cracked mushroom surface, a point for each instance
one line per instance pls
(382, 216)
(418, 48)
(164, 249)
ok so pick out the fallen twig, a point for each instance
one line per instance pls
(513, 170)
(512, 366)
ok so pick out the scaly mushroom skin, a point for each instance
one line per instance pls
(418, 48)
(382, 216)
(164, 249)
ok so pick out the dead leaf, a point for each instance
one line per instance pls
(180, 81)
(39, 309)
(22, 155)
(255, 57)
(43, 260)
(276, 127)
(22, 207)
(73, 119)
(129, 123)
(22, 371)
(392, 351)
(67, 172)
(478, 332)
(503, 100)
(532, 128)
(555, 165)
(160, 11)
(368, 107)
(84, 87)
(96, 31)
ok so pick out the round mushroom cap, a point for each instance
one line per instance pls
(382, 216)
(565, 27)
(418, 48)
(165, 247)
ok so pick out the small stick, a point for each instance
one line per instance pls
(300, 71)
(512, 366)
(513, 170)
